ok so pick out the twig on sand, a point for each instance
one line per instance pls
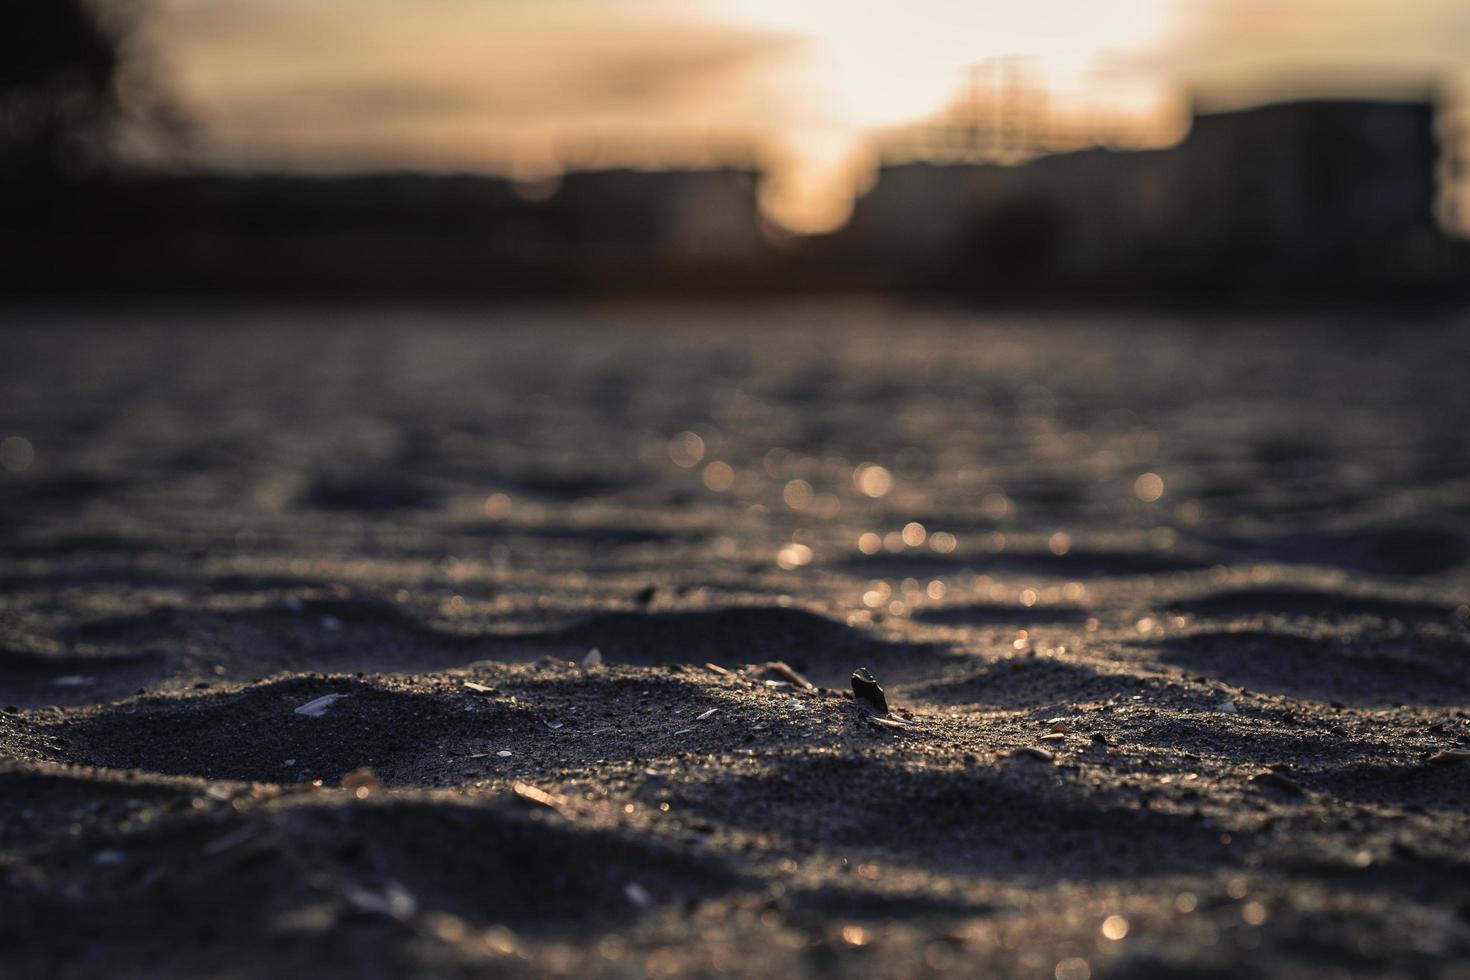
(536, 796)
(783, 670)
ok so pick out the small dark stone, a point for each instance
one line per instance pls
(867, 689)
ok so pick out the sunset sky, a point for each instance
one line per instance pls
(522, 85)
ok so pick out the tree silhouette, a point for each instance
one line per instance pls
(72, 77)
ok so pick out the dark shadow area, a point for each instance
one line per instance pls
(37, 805)
(1078, 563)
(1021, 682)
(70, 545)
(868, 904)
(1259, 742)
(33, 677)
(65, 492)
(999, 614)
(570, 485)
(1286, 600)
(1414, 784)
(1395, 551)
(354, 633)
(365, 870)
(1154, 965)
(146, 628)
(251, 734)
(1016, 821)
(373, 491)
(531, 871)
(1360, 672)
(824, 650)
(1418, 872)
(593, 535)
(88, 571)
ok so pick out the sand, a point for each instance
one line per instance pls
(1170, 613)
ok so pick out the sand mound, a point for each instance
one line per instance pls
(258, 733)
(825, 650)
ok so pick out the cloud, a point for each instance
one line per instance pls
(1327, 44)
(298, 80)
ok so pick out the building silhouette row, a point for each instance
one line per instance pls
(1311, 195)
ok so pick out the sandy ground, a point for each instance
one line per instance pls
(297, 607)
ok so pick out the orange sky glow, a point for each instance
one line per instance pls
(800, 88)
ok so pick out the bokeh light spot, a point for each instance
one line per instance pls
(793, 556)
(797, 494)
(719, 476)
(16, 454)
(686, 449)
(872, 480)
(914, 534)
(943, 543)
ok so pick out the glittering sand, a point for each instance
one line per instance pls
(297, 611)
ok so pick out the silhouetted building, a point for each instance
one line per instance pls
(1291, 194)
(1330, 196)
(391, 233)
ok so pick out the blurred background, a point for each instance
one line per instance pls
(1210, 150)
